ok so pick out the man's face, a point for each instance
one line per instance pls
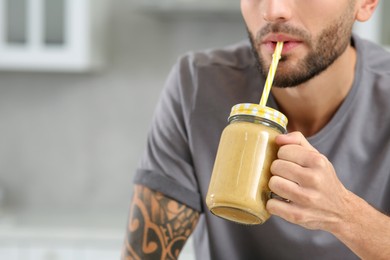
(315, 33)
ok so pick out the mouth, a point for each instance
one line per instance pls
(288, 44)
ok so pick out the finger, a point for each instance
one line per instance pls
(279, 207)
(288, 211)
(290, 171)
(299, 155)
(285, 188)
(296, 138)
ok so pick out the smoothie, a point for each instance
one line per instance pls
(238, 189)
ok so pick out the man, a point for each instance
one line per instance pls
(333, 166)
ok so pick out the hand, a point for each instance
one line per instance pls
(305, 177)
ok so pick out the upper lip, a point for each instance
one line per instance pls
(280, 38)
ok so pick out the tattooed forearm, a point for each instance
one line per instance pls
(158, 226)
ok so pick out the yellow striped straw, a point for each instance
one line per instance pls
(271, 73)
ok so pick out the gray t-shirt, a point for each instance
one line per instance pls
(193, 111)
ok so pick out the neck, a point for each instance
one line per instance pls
(310, 106)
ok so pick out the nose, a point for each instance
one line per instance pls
(276, 10)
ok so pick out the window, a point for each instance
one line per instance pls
(51, 34)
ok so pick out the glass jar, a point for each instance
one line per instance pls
(238, 190)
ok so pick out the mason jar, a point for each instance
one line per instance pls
(238, 189)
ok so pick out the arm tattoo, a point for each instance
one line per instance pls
(158, 226)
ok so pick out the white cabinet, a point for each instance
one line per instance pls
(205, 6)
(52, 35)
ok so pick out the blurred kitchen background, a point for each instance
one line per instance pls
(79, 80)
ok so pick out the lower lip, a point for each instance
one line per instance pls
(287, 46)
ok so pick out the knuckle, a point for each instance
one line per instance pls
(298, 217)
(316, 180)
(318, 160)
(297, 134)
(307, 198)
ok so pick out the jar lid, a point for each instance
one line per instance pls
(259, 111)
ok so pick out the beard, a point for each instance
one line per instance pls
(323, 50)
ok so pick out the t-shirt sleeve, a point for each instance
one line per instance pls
(166, 166)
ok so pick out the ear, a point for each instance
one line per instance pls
(365, 8)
